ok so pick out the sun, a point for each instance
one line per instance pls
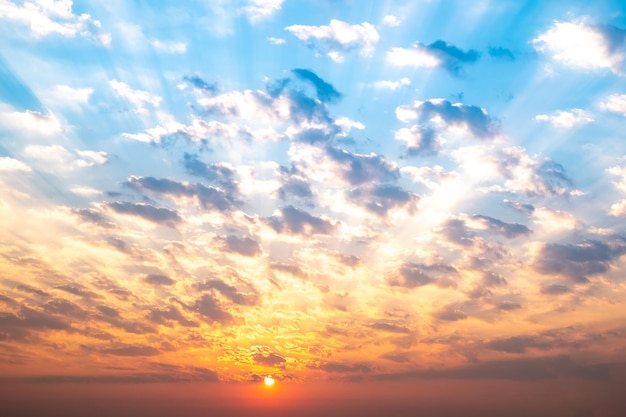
(269, 381)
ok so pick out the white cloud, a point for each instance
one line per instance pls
(56, 156)
(418, 56)
(618, 209)
(566, 119)
(338, 37)
(85, 191)
(138, 98)
(276, 41)
(45, 17)
(391, 20)
(8, 164)
(258, 10)
(392, 85)
(33, 121)
(578, 44)
(169, 47)
(69, 97)
(615, 103)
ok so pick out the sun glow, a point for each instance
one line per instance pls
(269, 381)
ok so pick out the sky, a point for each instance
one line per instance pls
(396, 207)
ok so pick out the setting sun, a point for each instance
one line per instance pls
(269, 381)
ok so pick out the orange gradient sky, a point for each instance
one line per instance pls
(410, 206)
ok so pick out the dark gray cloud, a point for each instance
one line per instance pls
(390, 327)
(576, 262)
(196, 82)
(547, 177)
(522, 369)
(451, 313)
(230, 292)
(158, 279)
(358, 169)
(93, 216)
(20, 326)
(245, 245)
(451, 57)
(380, 198)
(325, 91)
(270, 359)
(455, 230)
(509, 230)
(79, 290)
(297, 221)
(208, 196)
(491, 279)
(501, 52)
(555, 289)
(169, 315)
(66, 308)
(294, 184)
(148, 212)
(211, 310)
(31, 290)
(412, 275)
(335, 367)
(518, 344)
(399, 357)
(130, 350)
(217, 173)
(420, 140)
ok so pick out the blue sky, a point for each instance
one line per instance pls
(312, 189)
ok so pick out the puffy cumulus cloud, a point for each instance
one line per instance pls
(413, 275)
(358, 169)
(581, 45)
(615, 103)
(381, 198)
(230, 292)
(437, 54)
(31, 122)
(138, 98)
(209, 197)
(46, 17)
(338, 37)
(282, 110)
(443, 114)
(220, 173)
(578, 261)
(211, 310)
(566, 119)
(8, 164)
(169, 316)
(245, 245)
(292, 220)
(528, 175)
(257, 10)
(148, 212)
(420, 140)
(158, 279)
(293, 184)
(508, 230)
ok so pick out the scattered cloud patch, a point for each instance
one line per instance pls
(391, 20)
(138, 98)
(501, 52)
(566, 119)
(392, 85)
(258, 10)
(45, 18)
(578, 44)
(437, 54)
(8, 164)
(615, 103)
(338, 38)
